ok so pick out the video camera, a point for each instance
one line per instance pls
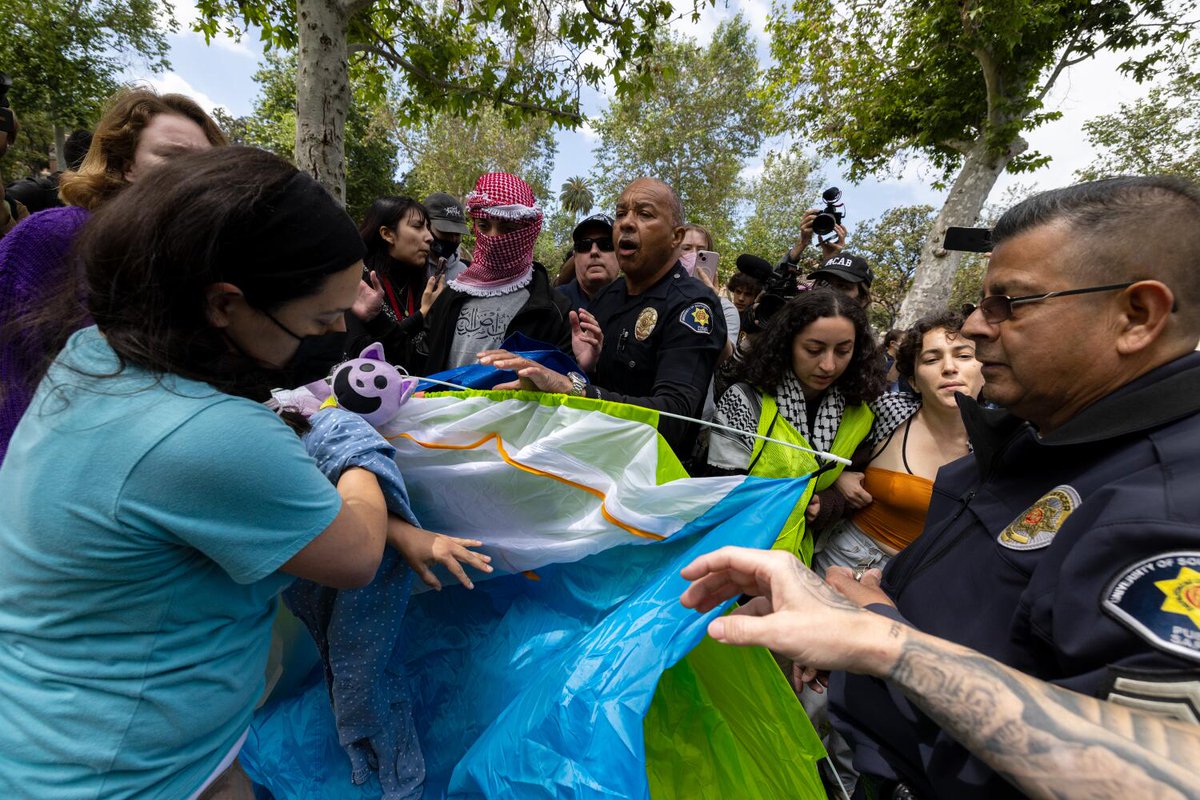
(779, 285)
(8, 125)
(834, 211)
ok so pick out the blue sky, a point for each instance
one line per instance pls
(220, 74)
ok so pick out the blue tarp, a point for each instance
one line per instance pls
(531, 686)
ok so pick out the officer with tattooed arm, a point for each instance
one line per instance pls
(1067, 545)
(1046, 740)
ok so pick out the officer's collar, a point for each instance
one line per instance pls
(659, 288)
(1163, 395)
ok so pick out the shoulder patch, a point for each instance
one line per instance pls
(698, 317)
(1159, 599)
(1038, 524)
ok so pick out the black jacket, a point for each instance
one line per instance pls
(1054, 555)
(545, 317)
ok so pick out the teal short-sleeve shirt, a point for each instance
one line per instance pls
(143, 525)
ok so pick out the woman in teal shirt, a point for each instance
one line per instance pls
(153, 507)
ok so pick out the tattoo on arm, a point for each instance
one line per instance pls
(1048, 741)
(820, 589)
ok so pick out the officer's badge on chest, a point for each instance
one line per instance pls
(645, 324)
(1039, 523)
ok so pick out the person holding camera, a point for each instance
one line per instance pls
(819, 223)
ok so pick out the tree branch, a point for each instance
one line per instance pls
(386, 51)
(598, 15)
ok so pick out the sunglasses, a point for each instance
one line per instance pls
(998, 307)
(605, 244)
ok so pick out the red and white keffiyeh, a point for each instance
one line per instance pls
(501, 264)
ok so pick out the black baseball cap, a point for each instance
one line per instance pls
(594, 221)
(846, 266)
(446, 215)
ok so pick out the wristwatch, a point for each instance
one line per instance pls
(578, 384)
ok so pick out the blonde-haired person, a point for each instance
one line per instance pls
(139, 130)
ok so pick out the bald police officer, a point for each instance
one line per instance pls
(663, 330)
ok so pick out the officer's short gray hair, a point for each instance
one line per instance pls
(1131, 228)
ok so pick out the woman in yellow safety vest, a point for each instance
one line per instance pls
(807, 380)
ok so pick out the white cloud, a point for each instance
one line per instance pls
(186, 14)
(1083, 92)
(174, 82)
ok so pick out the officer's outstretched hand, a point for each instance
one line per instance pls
(531, 376)
(793, 612)
(586, 339)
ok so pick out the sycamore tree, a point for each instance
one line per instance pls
(65, 58)
(523, 60)
(957, 83)
(372, 138)
(694, 129)
(1158, 134)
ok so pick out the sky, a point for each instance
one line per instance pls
(221, 74)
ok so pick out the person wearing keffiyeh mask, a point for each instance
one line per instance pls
(503, 291)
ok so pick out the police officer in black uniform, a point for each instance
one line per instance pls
(1067, 545)
(663, 330)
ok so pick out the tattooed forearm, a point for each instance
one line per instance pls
(1047, 740)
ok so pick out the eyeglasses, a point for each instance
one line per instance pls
(998, 307)
(605, 243)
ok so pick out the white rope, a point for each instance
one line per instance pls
(819, 453)
(718, 426)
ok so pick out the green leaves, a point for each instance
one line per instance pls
(527, 61)
(1159, 134)
(694, 128)
(877, 81)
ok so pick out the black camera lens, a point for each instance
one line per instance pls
(823, 224)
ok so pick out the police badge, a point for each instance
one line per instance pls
(1036, 527)
(645, 324)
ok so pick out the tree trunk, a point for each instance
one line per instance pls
(934, 276)
(60, 140)
(323, 92)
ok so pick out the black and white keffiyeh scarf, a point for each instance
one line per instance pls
(741, 407)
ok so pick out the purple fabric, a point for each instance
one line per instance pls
(33, 268)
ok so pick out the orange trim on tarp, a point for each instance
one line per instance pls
(533, 471)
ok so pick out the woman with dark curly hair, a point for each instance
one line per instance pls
(808, 380)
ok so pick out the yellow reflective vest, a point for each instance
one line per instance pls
(771, 460)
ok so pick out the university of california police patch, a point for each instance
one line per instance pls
(1036, 527)
(1159, 598)
(697, 317)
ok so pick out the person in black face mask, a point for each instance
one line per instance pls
(447, 222)
(180, 506)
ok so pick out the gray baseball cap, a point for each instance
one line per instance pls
(446, 215)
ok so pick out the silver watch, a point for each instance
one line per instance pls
(578, 384)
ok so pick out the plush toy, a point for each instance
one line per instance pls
(369, 386)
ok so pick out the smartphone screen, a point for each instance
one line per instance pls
(968, 240)
(707, 261)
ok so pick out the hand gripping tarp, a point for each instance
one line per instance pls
(576, 673)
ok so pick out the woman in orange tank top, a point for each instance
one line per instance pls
(914, 436)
